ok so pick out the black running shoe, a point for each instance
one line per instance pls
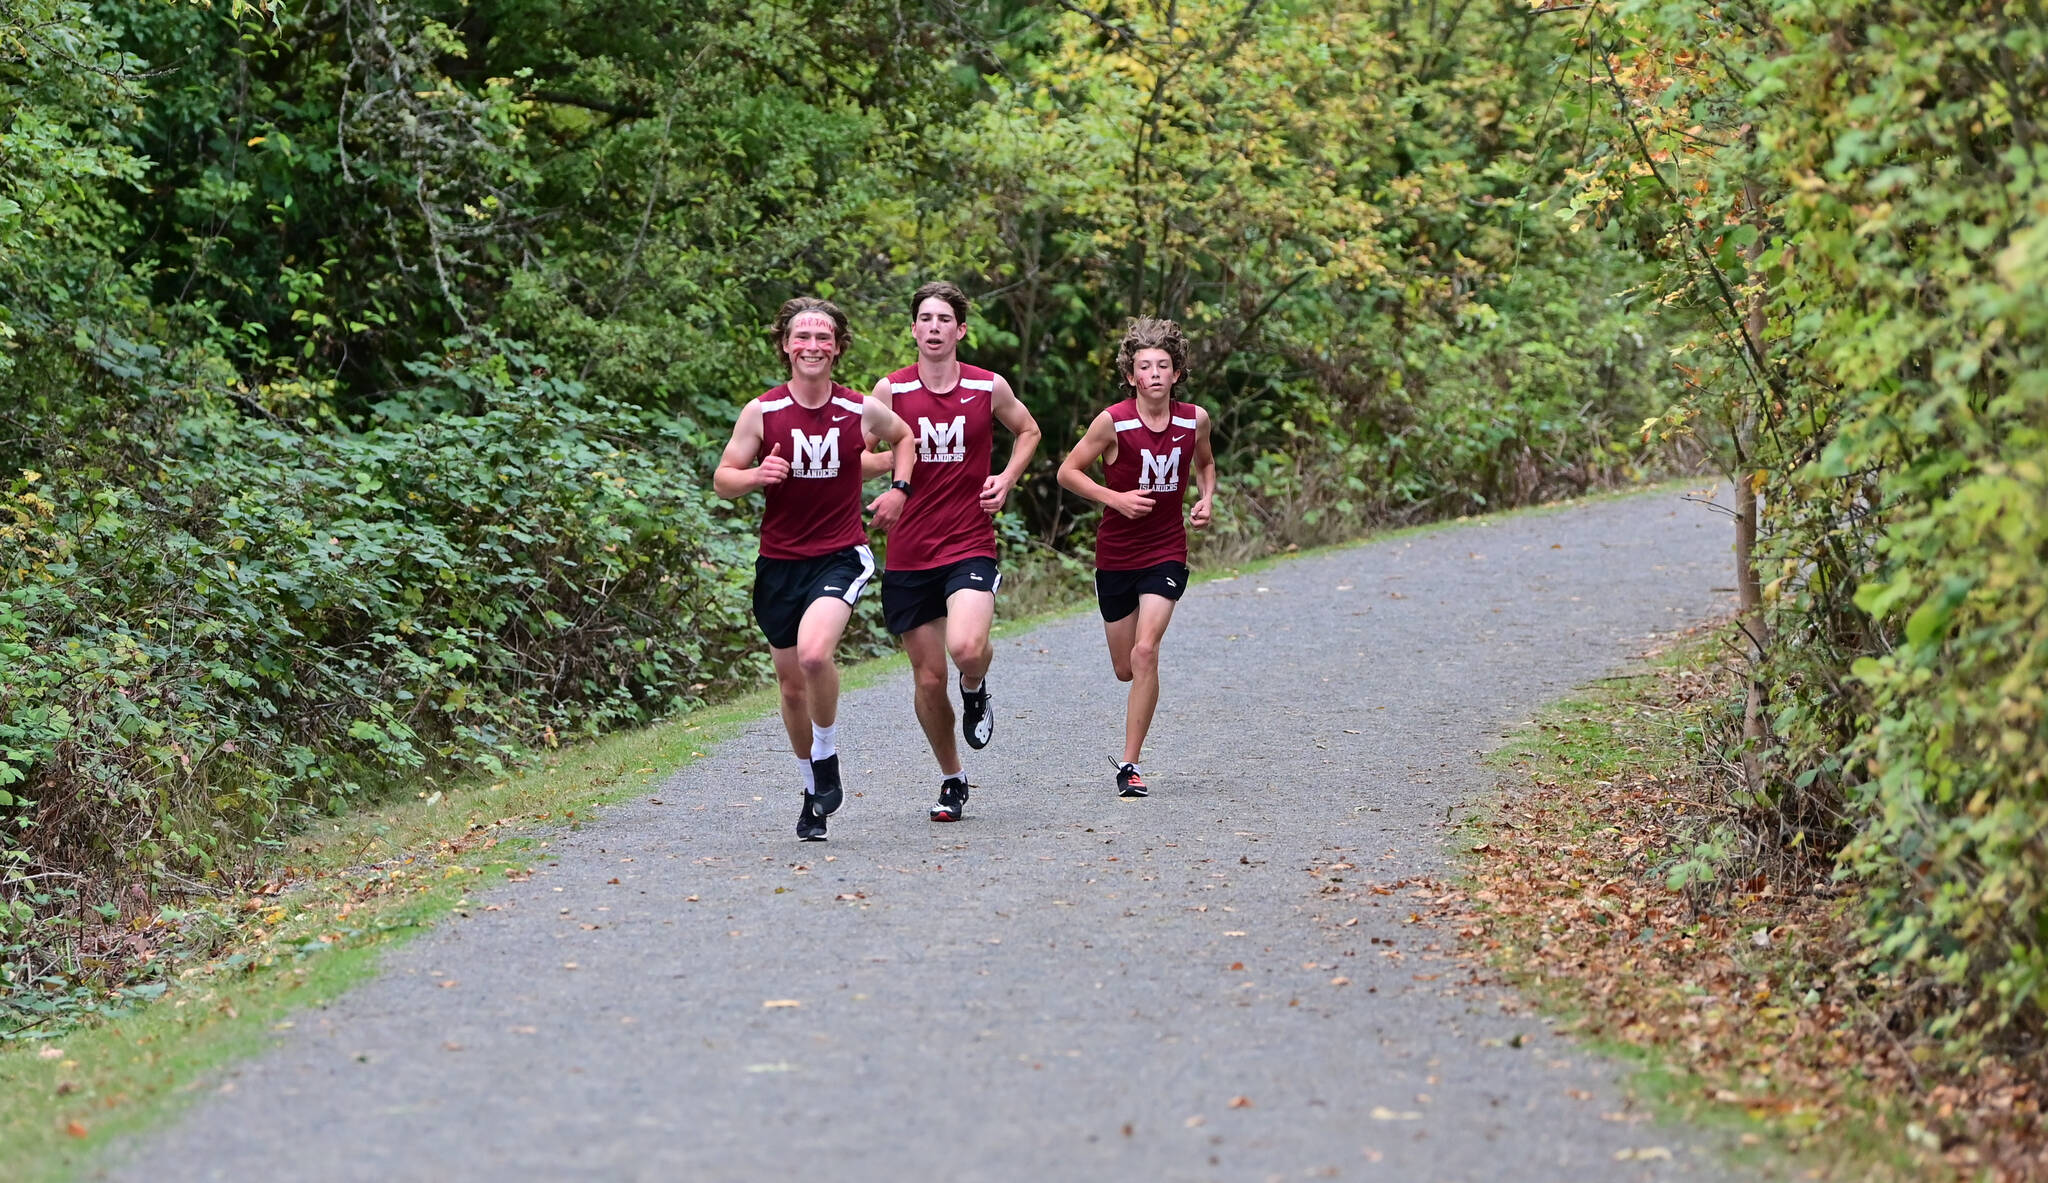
(810, 824)
(977, 724)
(827, 796)
(952, 800)
(1128, 782)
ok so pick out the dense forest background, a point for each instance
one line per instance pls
(365, 360)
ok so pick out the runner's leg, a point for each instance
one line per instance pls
(796, 720)
(969, 616)
(817, 640)
(796, 709)
(1150, 620)
(1122, 634)
(817, 643)
(926, 647)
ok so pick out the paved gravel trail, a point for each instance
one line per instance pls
(1065, 985)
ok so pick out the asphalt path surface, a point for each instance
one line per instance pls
(1205, 984)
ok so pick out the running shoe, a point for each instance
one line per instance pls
(952, 800)
(977, 722)
(1128, 782)
(826, 798)
(810, 824)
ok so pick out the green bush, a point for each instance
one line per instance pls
(283, 619)
(1855, 197)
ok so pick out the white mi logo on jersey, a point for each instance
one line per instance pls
(942, 443)
(1158, 474)
(814, 456)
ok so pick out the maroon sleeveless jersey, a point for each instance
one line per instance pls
(1159, 462)
(817, 510)
(943, 523)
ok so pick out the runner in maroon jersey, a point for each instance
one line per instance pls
(802, 443)
(939, 592)
(1149, 446)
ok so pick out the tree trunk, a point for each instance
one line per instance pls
(1748, 499)
(1750, 609)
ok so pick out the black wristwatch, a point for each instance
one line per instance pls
(903, 485)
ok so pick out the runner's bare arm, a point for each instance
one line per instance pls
(1205, 472)
(1100, 441)
(872, 462)
(877, 420)
(737, 475)
(1013, 414)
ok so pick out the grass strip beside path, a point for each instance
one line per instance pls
(1600, 892)
(340, 894)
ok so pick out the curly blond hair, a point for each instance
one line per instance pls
(1152, 332)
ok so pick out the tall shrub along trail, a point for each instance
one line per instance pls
(1854, 196)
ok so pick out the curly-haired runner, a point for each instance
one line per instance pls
(802, 444)
(1150, 446)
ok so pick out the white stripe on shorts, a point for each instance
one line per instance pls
(867, 571)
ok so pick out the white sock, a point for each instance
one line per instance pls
(823, 740)
(1122, 764)
(956, 774)
(965, 688)
(810, 776)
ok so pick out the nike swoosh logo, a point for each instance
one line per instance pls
(977, 579)
(1171, 583)
(843, 589)
(970, 398)
(1179, 439)
(841, 418)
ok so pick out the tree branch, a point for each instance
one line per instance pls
(561, 98)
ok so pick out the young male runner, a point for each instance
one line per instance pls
(939, 591)
(1149, 445)
(802, 442)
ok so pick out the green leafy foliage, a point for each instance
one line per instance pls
(1852, 194)
(282, 620)
(366, 360)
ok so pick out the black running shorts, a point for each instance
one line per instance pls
(1118, 591)
(911, 598)
(784, 588)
